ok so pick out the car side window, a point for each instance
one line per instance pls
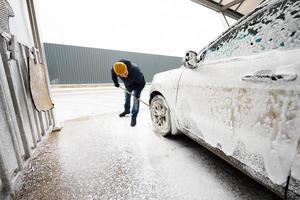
(275, 25)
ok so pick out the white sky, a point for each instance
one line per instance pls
(167, 27)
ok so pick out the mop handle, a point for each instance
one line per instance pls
(134, 96)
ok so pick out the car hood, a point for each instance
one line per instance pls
(163, 76)
(166, 82)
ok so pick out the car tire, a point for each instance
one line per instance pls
(160, 115)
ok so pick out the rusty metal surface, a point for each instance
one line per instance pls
(38, 86)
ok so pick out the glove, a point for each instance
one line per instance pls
(117, 85)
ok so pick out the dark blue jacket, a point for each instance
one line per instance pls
(135, 79)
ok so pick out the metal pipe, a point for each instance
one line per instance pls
(225, 19)
(14, 98)
(134, 96)
(233, 3)
(5, 177)
(37, 41)
(10, 124)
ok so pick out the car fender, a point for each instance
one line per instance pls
(166, 84)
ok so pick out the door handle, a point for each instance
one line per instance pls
(269, 77)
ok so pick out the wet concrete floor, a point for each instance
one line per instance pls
(102, 157)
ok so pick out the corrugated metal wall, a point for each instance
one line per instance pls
(82, 65)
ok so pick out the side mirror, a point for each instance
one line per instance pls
(202, 56)
(190, 59)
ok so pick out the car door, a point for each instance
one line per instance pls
(243, 98)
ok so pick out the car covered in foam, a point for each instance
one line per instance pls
(240, 96)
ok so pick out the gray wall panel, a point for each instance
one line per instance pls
(6, 144)
(82, 65)
(18, 126)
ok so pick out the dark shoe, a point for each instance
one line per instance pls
(133, 122)
(123, 114)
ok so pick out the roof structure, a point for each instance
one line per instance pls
(231, 8)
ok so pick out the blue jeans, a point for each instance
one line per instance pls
(136, 103)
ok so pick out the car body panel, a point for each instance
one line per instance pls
(253, 122)
(166, 83)
(242, 100)
(294, 184)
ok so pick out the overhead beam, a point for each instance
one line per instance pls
(239, 5)
(229, 5)
(218, 8)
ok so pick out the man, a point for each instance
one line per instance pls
(134, 82)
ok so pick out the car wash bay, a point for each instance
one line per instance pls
(97, 155)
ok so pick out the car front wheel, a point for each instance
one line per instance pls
(160, 115)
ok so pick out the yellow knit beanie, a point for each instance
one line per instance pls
(120, 68)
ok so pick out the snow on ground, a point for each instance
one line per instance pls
(97, 155)
(75, 103)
